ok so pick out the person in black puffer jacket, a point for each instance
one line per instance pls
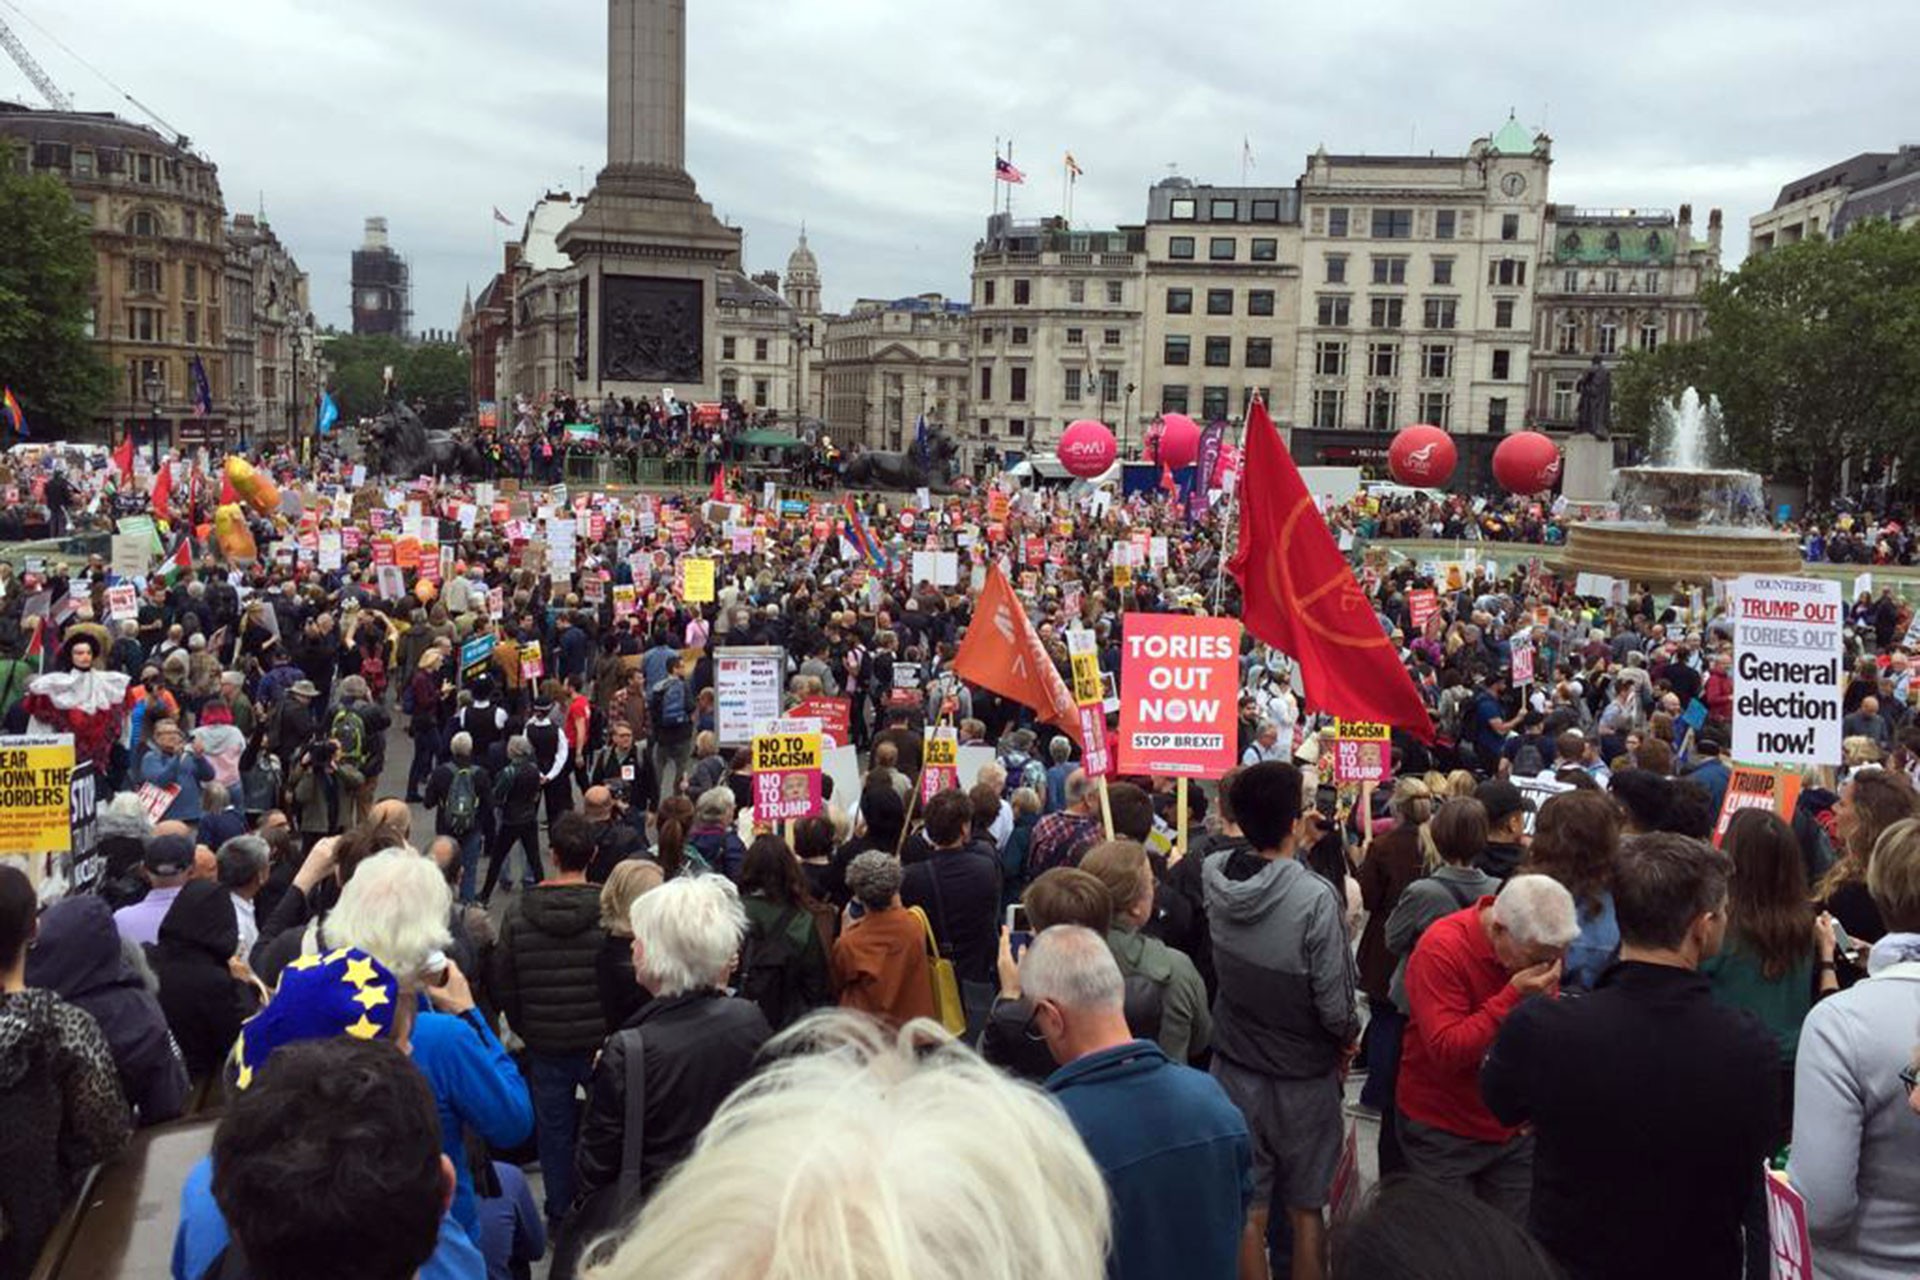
(203, 1000)
(78, 954)
(516, 800)
(546, 981)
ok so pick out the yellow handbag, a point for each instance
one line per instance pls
(946, 986)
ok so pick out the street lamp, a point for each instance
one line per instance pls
(297, 345)
(240, 396)
(156, 393)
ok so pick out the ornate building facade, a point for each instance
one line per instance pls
(886, 362)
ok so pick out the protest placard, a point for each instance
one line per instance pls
(696, 581)
(132, 555)
(1787, 666)
(1771, 789)
(36, 818)
(1179, 685)
(1096, 757)
(1520, 650)
(1422, 604)
(940, 762)
(1361, 752)
(123, 603)
(1790, 1245)
(747, 687)
(476, 655)
(786, 775)
(835, 716)
(1538, 790)
(533, 663)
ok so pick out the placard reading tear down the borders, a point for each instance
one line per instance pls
(1787, 665)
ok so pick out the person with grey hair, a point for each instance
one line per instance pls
(359, 725)
(516, 799)
(243, 862)
(698, 1042)
(1265, 745)
(460, 793)
(1062, 836)
(220, 819)
(880, 962)
(1469, 971)
(1174, 1150)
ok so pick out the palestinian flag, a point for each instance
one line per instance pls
(178, 562)
(36, 651)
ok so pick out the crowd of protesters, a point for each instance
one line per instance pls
(548, 989)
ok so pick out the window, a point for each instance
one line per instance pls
(1076, 291)
(1266, 250)
(1609, 337)
(191, 317)
(1337, 223)
(1247, 395)
(1443, 270)
(986, 337)
(727, 345)
(143, 224)
(986, 427)
(1213, 403)
(1183, 210)
(1178, 350)
(1259, 353)
(1436, 409)
(1180, 247)
(1179, 302)
(1511, 272)
(143, 324)
(1381, 405)
(1443, 227)
(1497, 414)
(1389, 270)
(1509, 226)
(1436, 361)
(83, 210)
(1022, 292)
(1392, 224)
(1114, 293)
(1017, 384)
(986, 292)
(1330, 359)
(1222, 248)
(1219, 302)
(1223, 210)
(1383, 359)
(759, 348)
(729, 388)
(1019, 335)
(1173, 399)
(1266, 211)
(760, 392)
(986, 382)
(1110, 384)
(1329, 408)
(1570, 282)
(1503, 313)
(1259, 302)
(143, 275)
(1569, 337)
(1613, 282)
(190, 282)
(1072, 392)
(1336, 268)
(1386, 313)
(1441, 312)
(1111, 337)
(1502, 364)
(1653, 282)
(83, 164)
(1076, 337)
(1564, 402)
(143, 168)
(1219, 352)
(1649, 335)
(1332, 309)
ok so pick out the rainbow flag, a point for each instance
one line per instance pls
(16, 416)
(862, 538)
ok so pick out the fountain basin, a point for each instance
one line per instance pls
(1684, 497)
(1660, 555)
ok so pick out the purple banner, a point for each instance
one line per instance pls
(1210, 441)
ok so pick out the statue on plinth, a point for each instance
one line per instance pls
(1595, 414)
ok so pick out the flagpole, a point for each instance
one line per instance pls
(1228, 527)
(993, 205)
(1009, 185)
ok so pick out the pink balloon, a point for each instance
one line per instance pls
(1086, 448)
(1527, 462)
(1178, 441)
(1422, 456)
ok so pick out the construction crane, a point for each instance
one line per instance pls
(56, 99)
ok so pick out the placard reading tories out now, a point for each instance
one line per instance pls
(1179, 694)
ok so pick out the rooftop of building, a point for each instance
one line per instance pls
(801, 261)
(539, 234)
(1056, 235)
(1864, 170)
(1897, 200)
(735, 289)
(923, 304)
(100, 129)
(1177, 199)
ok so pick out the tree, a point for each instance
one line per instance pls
(431, 375)
(46, 283)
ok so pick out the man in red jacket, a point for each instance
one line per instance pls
(1468, 972)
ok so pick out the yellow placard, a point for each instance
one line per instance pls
(786, 752)
(1360, 731)
(1086, 679)
(942, 753)
(36, 785)
(696, 581)
(1123, 575)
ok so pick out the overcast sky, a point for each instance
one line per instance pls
(874, 120)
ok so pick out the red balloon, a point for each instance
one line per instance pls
(1527, 462)
(1422, 456)
(1086, 448)
(1178, 441)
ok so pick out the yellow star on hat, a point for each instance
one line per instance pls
(365, 1029)
(359, 972)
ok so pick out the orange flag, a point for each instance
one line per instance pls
(1002, 652)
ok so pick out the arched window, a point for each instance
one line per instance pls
(1612, 242)
(1571, 241)
(144, 224)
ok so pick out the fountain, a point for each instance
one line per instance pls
(1684, 518)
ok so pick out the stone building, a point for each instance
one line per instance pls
(759, 344)
(1808, 206)
(1056, 327)
(803, 295)
(1415, 298)
(382, 285)
(276, 354)
(1222, 299)
(1611, 281)
(885, 363)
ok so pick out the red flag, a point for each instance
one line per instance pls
(227, 495)
(1003, 653)
(719, 492)
(162, 494)
(1301, 598)
(1166, 479)
(123, 458)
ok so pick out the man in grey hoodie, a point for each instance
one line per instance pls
(1285, 1021)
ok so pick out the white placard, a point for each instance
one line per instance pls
(1788, 665)
(748, 683)
(331, 550)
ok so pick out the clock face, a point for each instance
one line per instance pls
(1513, 184)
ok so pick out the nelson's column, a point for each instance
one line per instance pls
(648, 248)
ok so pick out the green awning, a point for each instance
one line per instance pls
(767, 438)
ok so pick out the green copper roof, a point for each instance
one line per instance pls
(1606, 243)
(1513, 139)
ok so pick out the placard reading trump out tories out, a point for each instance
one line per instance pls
(1787, 664)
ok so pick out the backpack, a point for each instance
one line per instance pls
(462, 805)
(657, 710)
(770, 972)
(350, 731)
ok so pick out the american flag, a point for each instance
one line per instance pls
(1003, 170)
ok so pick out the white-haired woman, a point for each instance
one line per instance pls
(697, 1043)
